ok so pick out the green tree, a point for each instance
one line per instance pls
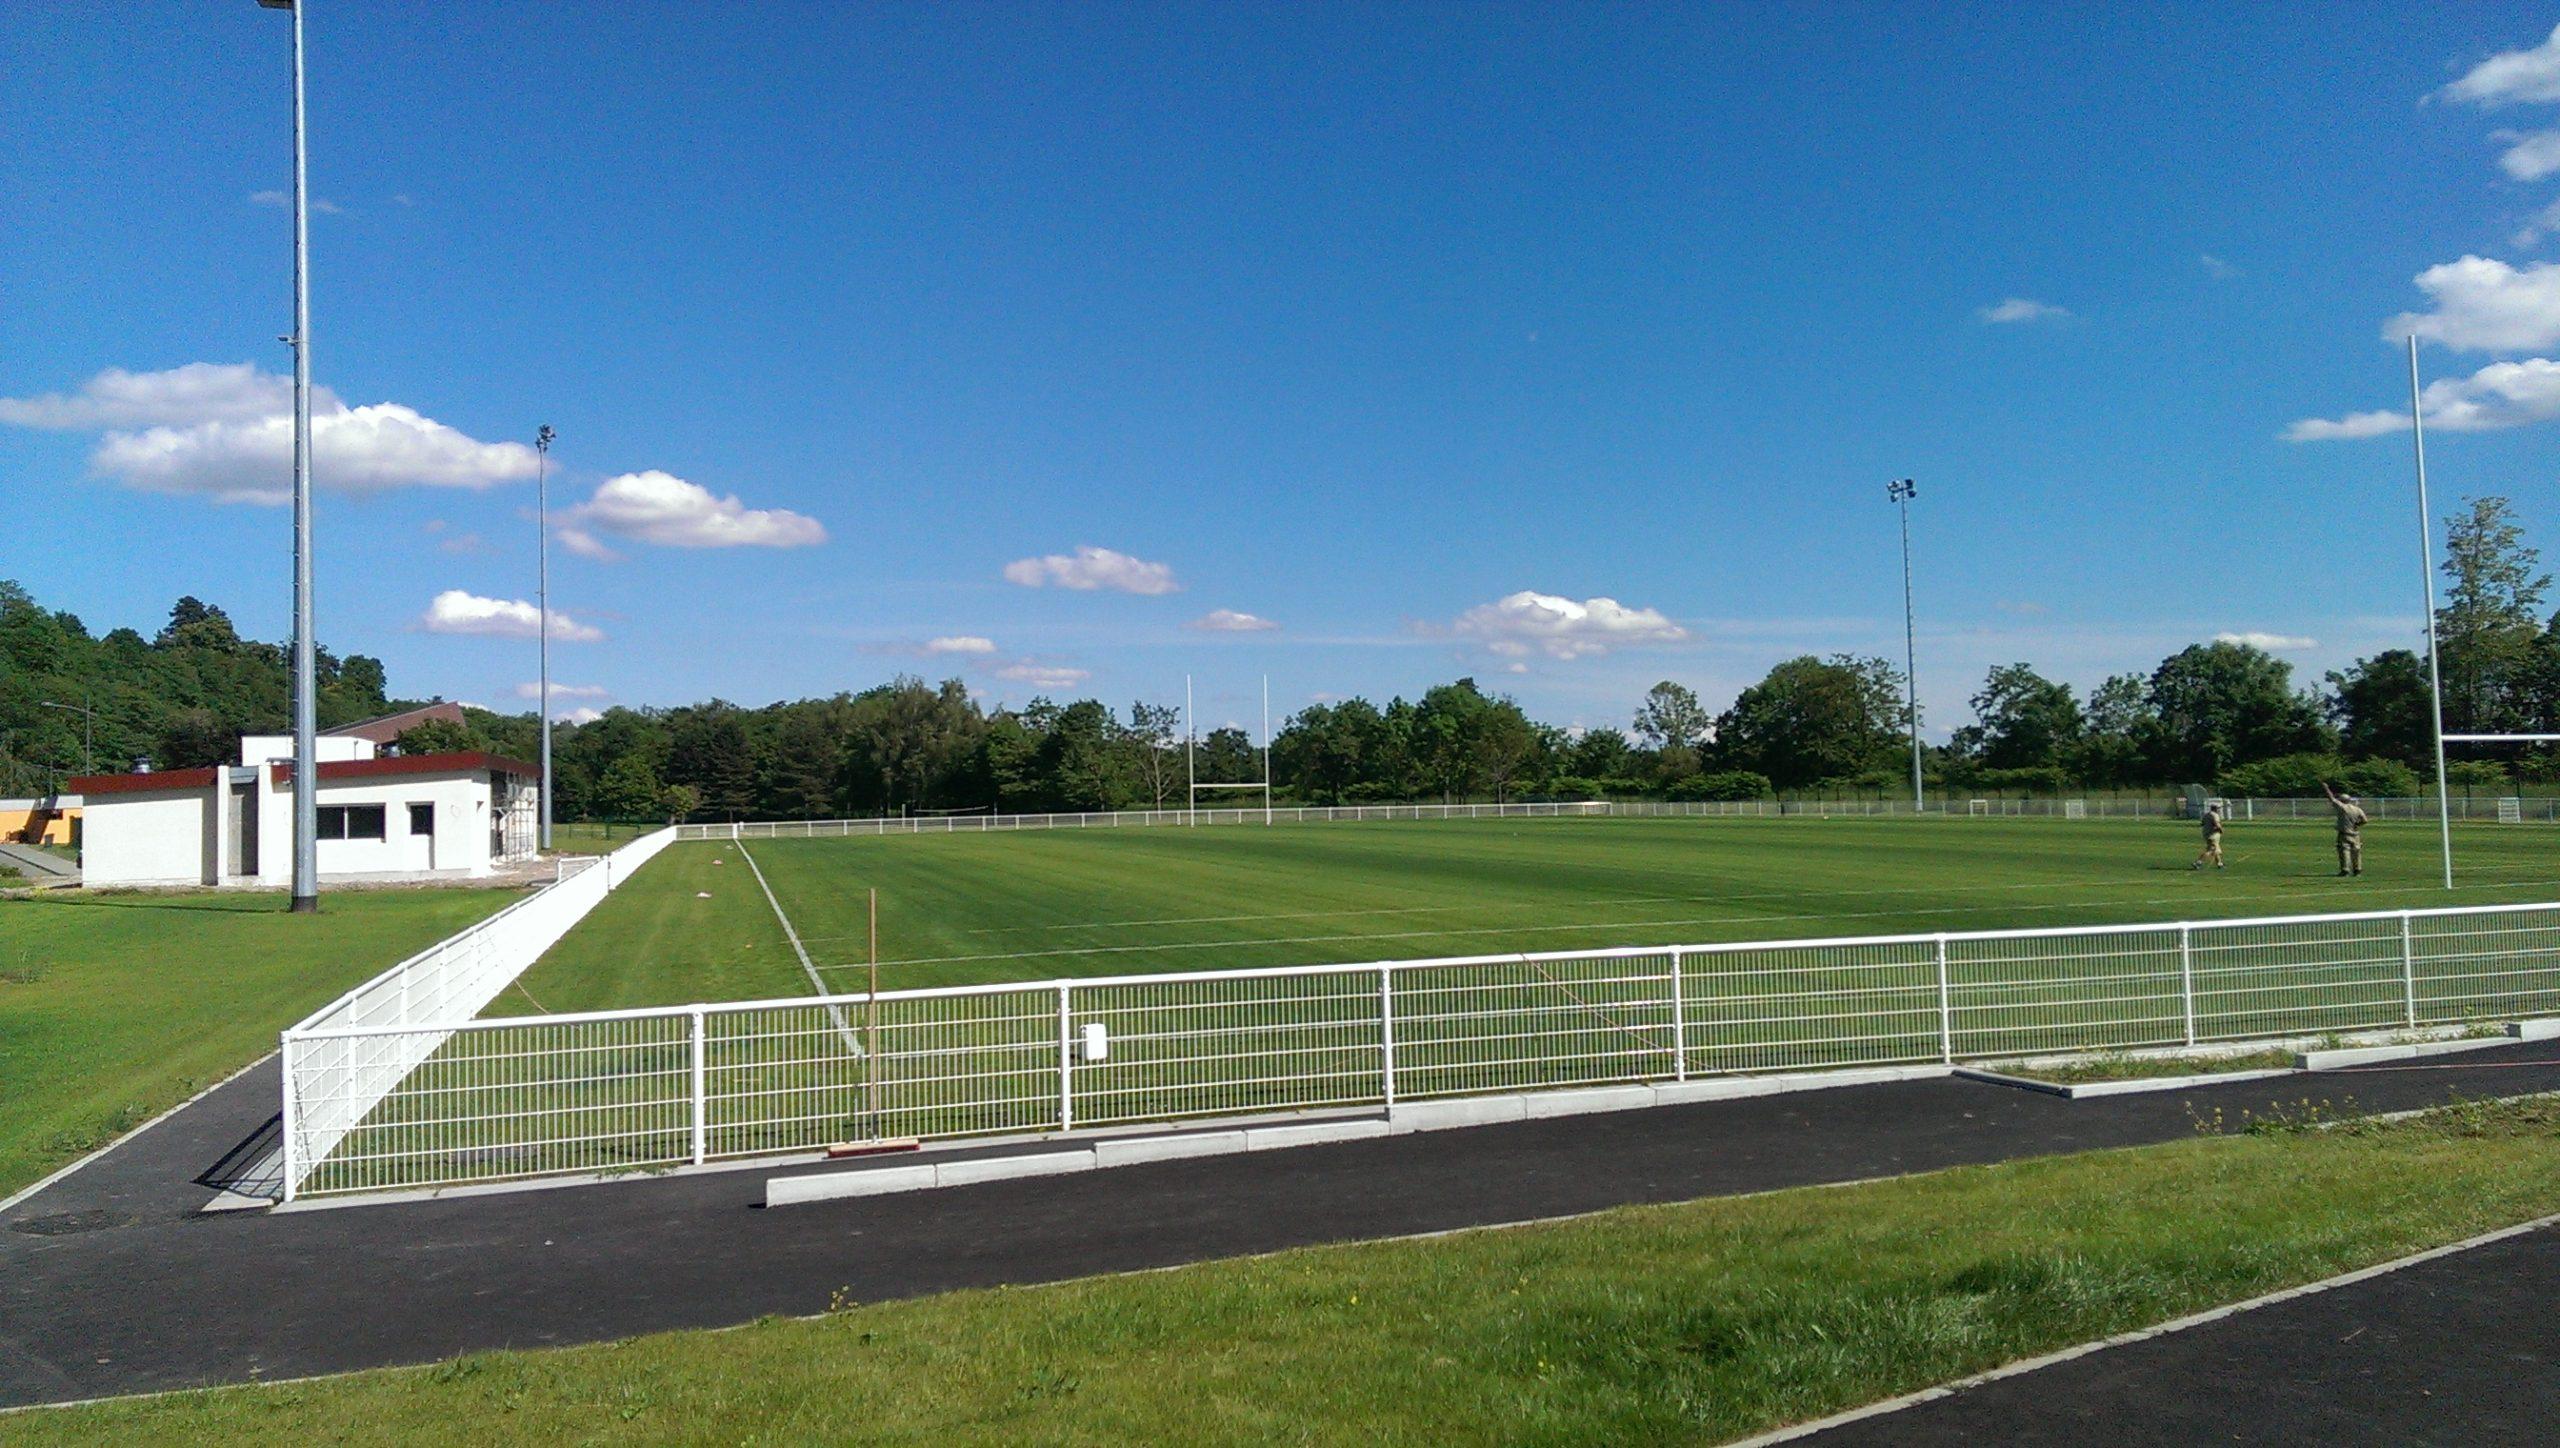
(1672, 718)
(2382, 707)
(2024, 721)
(1815, 719)
(629, 789)
(2490, 621)
(2221, 704)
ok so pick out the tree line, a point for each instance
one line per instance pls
(2226, 714)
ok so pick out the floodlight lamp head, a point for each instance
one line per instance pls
(1901, 490)
(542, 438)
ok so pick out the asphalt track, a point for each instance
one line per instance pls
(112, 1282)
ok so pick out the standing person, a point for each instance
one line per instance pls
(2212, 838)
(2351, 819)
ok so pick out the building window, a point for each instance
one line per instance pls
(422, 819)
(352, 821)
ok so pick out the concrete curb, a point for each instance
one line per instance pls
(2367, 1055)
(2078, 1090)
(1047, 1160)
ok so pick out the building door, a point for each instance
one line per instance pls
(243, 832)
(422, 822)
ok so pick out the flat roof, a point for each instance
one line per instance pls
(469, 761)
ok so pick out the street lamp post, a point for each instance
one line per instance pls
(306, 694)
(88, 731)
(1901, 491)
(542, 595)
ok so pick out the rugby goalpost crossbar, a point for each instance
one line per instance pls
(1190, 765)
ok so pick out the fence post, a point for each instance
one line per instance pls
(2408, 971)
(291, 1118)
(1946, 1009)
(2187, 978)
(1387, 1033)
(701, 1106)
(1066, 1062)
(1679, 1021)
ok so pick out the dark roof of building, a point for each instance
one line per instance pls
(385, 728)
(90, 785)
(461, 762)
(468, 761)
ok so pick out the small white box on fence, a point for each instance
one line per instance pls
(1097, 1042)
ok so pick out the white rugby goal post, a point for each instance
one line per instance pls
(1190, 764)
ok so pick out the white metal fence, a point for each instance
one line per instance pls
(344, 1059)
(646, 1089)
(2509, 809)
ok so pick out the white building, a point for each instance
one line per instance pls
(382, 815)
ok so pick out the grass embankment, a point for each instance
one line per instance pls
(2147, 1068)
(114, 1007)
(1684, 1323)
(959, 909)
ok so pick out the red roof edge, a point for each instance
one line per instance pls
(468, 761)
(85, 785)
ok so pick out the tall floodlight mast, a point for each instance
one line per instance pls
(306, 693)
(1902, 491)
(542, 595)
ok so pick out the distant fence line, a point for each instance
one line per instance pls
(607, 1091)
(2513, 809)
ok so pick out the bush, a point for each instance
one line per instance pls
(2291, 776)
(2468, 775)
(1726, 784)
(2033, 779)
(2381, 779)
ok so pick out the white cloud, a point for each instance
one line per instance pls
(660, 508)
(1525, 622)
(2023, 309)
(1515, 668)
(283, 200)
(225, 431)
(361, 450)
(2513, 76)
(1043, 676)
(2216, 268)
(2530, 155)
(2274, 643)
(457, 612)
(960, 644)
(199, 392)
(533, 690)
(1227, 620)
(2485, 305)
(580, 715)
(2541, 224)
(1091, 568)
(2500, 395)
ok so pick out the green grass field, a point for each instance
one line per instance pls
(961, 909)
(1688, 1323)
(115, 1006)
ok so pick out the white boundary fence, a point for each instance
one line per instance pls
(389, 1106)
(2485, 807)
(343, 1059)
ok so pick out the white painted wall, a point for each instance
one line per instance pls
(459, 845)
(334, 748)
(153, 838)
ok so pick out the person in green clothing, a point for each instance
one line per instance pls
(2351, 818)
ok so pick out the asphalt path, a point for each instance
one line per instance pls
(112, 1281)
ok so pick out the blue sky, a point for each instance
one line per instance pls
(1361, 321)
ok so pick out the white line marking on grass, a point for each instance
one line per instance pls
(817, 983)
(2199, 1319)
